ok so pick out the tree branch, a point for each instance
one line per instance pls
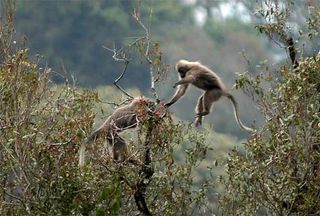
(145, 172)
(292, 52)
(146, 54)
(126, 62)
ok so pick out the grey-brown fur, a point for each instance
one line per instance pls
(123, 118)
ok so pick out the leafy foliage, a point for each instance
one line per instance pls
(41, 129)
(280, 170)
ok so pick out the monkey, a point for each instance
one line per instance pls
(205, 79)
(123, 118)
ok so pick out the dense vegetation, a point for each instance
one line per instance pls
(279, 173)
(46, 112)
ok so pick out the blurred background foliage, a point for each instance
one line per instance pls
(218, 33)
(73, 33)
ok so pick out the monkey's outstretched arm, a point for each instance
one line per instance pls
(186, 80)
(179, 93)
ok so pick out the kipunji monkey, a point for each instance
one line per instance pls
(202, 77)
(123, 118)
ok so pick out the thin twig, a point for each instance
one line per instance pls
(120, 77)
(126, 62)
(146, 54)
(116, 104)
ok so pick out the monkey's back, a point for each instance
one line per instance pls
(206, 79)
(121, 120)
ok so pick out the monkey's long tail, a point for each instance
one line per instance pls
(236, 114)
(82, 154)
(82, 150)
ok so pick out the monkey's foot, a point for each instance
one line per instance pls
(198, 121)
(203, 113)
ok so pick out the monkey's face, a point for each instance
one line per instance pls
(144, 102)
(183, 66)
(182, 70)
(143, 107)
(150, 103)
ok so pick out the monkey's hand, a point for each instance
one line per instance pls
(175, 85)
(168, 104)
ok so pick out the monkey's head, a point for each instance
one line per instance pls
(183, 66)
(143, 107)
(142, 102)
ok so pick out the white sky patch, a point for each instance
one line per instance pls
(200, 15)
(235, 9)
(189, 2)
(223, 11)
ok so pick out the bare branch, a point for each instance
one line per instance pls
(119, 78)
(118, 57)
(146, 54)
(145, 172)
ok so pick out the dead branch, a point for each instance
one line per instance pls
(117, 57)
(146, 54)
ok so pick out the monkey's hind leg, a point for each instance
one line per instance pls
(119, 150)
(118, 146)
(209, 98)
(199, 110)
(205, 103)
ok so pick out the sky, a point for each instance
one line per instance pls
(224, 10)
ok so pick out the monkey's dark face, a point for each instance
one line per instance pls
(150, 104)
(183, 70)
